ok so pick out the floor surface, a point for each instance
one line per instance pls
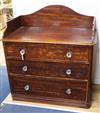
(24, 109)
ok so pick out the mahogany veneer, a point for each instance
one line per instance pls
(49, 56)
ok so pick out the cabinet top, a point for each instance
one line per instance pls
(52, 24)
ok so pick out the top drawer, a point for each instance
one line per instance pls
(47, 52)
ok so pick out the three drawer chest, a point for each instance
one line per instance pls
(49, 56)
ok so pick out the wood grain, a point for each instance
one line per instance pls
(48, 52)
(49, 88)
(47, 36)
(52, 24)
(49, 69)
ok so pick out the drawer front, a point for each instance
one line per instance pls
(49, 88)
(48, 52)
(49, 69)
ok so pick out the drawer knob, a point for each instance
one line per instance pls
(27, 87)
(69, 54)
(68, 72)
(68, 91)
(22, 53)
(24, 68)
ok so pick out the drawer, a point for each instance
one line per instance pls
(48, 88)
(47, 52)
(49, 69)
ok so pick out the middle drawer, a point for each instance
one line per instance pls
(49, 69)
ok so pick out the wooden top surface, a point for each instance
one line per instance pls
(52, 35)
(52, 24)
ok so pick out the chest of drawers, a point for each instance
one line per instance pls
(49, 56)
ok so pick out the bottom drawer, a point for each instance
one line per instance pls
(48, 88)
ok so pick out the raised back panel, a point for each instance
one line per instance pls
(56, 15)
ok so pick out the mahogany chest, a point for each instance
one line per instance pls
(49, 56)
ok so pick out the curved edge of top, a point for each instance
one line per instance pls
(67, 9)
(53, 9)
(57, 13)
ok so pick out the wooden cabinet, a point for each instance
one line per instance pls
(49, 56)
